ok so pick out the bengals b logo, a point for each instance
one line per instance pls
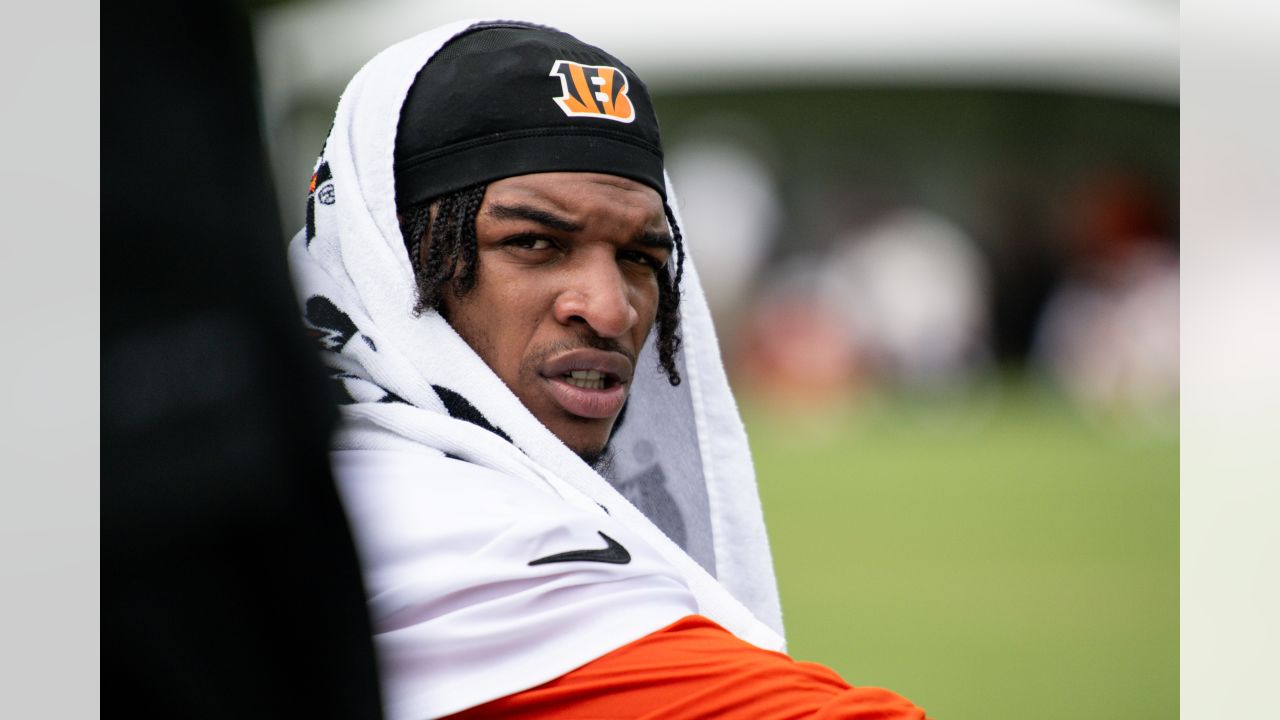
(598, 91)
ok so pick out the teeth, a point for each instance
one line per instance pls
(586, 379)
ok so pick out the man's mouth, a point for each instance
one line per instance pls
(588, 383)
(589, 379)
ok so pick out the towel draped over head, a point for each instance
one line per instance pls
(682, 477)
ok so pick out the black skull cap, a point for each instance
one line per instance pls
(506, 99)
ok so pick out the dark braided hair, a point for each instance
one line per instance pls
(447, 224)
(668, 321)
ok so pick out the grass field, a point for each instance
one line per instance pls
(999, 558)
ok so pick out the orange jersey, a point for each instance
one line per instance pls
(694, 668)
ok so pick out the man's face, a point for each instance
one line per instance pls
(566, 293)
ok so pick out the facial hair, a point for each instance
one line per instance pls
(601, 462)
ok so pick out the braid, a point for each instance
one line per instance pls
(414, 222)
(448, 224)
(668, 322)
(468, 206)
(442, 254)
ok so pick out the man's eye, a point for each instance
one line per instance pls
(527, 242)
(643, 258)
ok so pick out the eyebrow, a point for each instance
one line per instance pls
(542, 217)
(647, 238)
(656, 240)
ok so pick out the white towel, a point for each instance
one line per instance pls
(410, 381)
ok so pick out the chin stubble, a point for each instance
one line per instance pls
(601, 461)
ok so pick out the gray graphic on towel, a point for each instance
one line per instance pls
(647, 490)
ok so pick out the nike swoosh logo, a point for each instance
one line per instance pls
(612, 552)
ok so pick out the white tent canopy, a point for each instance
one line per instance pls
(1117, 47)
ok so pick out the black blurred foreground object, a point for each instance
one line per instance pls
(232, 584)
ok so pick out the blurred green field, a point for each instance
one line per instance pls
(997, 558)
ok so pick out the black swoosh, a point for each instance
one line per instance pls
(613, 552)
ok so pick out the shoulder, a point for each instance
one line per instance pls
(482, 583)
(389, 483)
(390, 465)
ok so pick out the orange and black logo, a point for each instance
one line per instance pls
(598, 91)
(319, 178)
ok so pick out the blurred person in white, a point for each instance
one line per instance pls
(729, 201)
(788, 345)
(914, 292)
(1109, 333)
(490, 241)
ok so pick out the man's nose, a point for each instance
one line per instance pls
(598, 296)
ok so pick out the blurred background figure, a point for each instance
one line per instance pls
(729, 201)
(1109, 333)
(913, 290)
(796, 353)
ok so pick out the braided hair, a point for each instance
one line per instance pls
(447, 224)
